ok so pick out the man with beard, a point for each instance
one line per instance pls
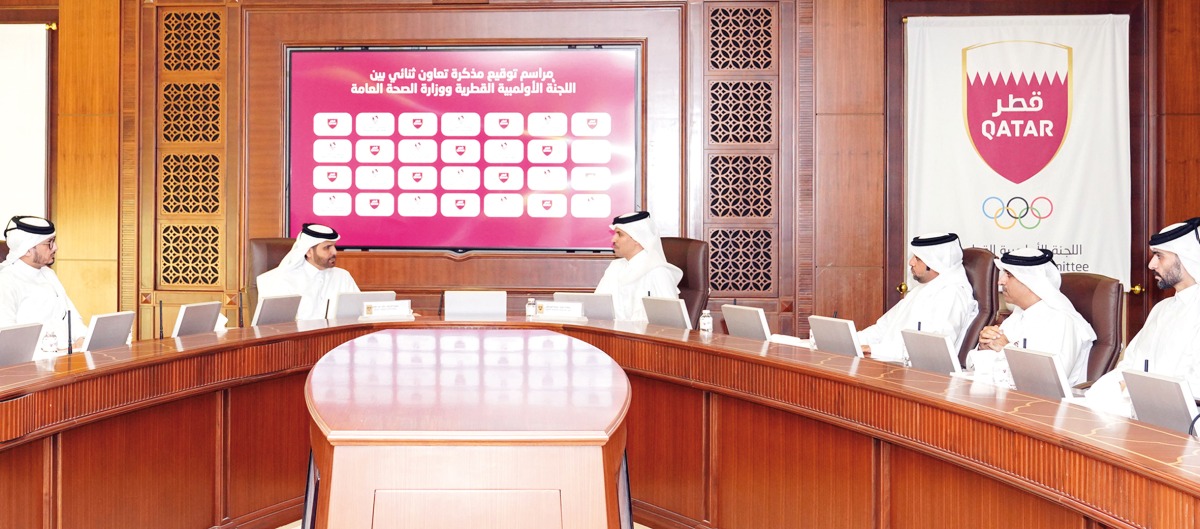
(308, 270)
(30, 291)
(1169, 342)
(1043, 319)
(942, 302)
(640, 269)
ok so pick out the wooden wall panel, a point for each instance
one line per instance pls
(133, 469)
(849, 190)
(849, 56)
(664, 473)
(767, 459)
(1181, 167)
(267, 444)
(923, 489)
(1179, 57)
(854, 293)
(24, 483)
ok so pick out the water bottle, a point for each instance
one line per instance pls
(706, 322)
(531, 308)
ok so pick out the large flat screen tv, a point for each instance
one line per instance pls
(516, 148)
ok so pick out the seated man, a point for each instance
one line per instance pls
(1169, 342)
(30, 291)
(941, 302)
(308, 269)
(1043, 319)
(640, 270)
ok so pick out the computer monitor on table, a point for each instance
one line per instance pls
(931, 351)
(1036, 372)
(196, 318)
(668, 312)
(275, 309)
(109, 330)
(595, 306)
(834, 335)
(746, 322)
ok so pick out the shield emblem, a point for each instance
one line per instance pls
(417, 176)
(374, 202)
(331, 175)
(547, 149)
(503, 122)
(416, 122)
(503, 177)
(460, 203)
(332, 122)
(547, 204)
(1017, 104)
(374, 149)
(591, 123)
(460, 149)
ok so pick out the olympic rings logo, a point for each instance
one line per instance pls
(1016, 210)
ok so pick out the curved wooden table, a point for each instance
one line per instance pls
(452, 428)
(723, 433)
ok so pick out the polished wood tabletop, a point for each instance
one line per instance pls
(467, 385)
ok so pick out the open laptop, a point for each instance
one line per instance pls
(834, 335)
(109, 330)
(196, 318)
(931, 351)
(475, 305)
(1161, 400)
(668, 312)
(18, 343)
(595, 306)
(1037, 373)
(275, 309)
(350, 304)
(746, 322)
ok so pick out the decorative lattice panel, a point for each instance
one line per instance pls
(740, 38)
(741, 260)
(191, 255)
(191, 41)
(191, 112)
(741, 186)
(741, 112)
(191, 183)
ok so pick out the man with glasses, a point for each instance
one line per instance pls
(30, 291)
(1169, 342)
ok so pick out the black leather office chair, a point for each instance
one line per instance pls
(3, 250)
(691, 256)
(982, 273)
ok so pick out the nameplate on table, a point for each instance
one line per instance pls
(398, 310)
(569, 311)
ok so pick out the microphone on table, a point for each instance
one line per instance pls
(160, 323)
(70, 350)
(241, 320)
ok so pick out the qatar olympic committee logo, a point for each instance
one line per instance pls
(1017, 211)
(1017, 104)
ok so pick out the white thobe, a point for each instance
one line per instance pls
(315, 287)
(657, 281)
(1042, 328)
(35, 295)
(1170, 340)
(939, 306)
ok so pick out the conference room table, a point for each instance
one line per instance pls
(722, 432)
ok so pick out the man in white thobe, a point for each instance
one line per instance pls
(308, 270)
(30, 291)
(1042, 319)
(1169, 342)
(640, 270)
(941, 302)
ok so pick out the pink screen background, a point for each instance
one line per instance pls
(333, 93)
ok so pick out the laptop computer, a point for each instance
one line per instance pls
(18, 343)
(275, 309)
(668, 312)
(931, 351)
(595, 306)
(196, 318)
(746, 322)
(834, 335)
(350, 304)
(475, 305)
(1161, 400)
(109, 330)
(1037, 373)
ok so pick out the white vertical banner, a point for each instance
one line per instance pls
(23, 105)
(1018, 135)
